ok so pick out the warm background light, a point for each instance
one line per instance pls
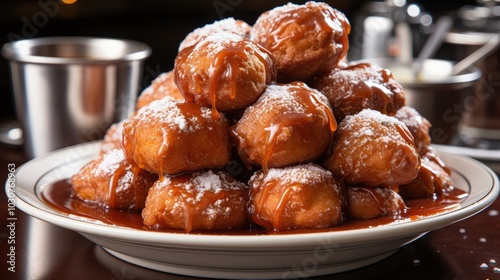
(69, 2)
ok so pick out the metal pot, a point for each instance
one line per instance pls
(475, 25)
(436, 95)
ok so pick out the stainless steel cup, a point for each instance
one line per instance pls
(439, 97)
(69, 90)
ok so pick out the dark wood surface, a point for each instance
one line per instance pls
(469, 249)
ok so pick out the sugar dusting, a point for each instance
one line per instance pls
(200, 186)
(166, 111)
(281, 97)
(309, 173)
(109, 163)
(227, 25)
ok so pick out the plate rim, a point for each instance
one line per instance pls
(247, 242)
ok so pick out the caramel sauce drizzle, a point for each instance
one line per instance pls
(405, 133)
(193, 210)
(159, 155)
(113, 184)
(289, 119)
(379, 199)
(312, 105)
(228, 61)
(226, 64)
(311, 21)
(279, 209)
(134, 184)
(260, 203)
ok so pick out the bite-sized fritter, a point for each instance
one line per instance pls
(368, 202)
(113, 138)
(296, 197)
(419, 129)
(228, 25)
(359, 86)
(289, 124)
(373, 149)
(432, 180)
(111, 181)
(197, 201)
(224, 71)
(168, 137)
(306, 40)
(418, 126)
(162, 86)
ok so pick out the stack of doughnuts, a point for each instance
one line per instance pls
(320, 140)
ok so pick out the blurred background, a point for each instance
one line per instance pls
(160, 24)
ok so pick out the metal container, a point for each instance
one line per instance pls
(440, 98)
(474, 27)
(69, 90)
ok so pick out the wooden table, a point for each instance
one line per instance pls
(469, 249)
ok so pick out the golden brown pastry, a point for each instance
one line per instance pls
(111, 181)
(306, 40)
(419, 129)
(373, 149)
(299, 197)
(289, 124)
(224, 71)
(113, 138)
(360, 86)
(197, 201)
(161, 86)
(432, 180)
(169, 137)
(418, 126)
(368, 202)
(228, 25)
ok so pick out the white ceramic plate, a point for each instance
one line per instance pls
(480, 154)
(259, 256)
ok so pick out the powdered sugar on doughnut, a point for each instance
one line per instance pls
(359, 127)
(345, 80)
(110, 162)
(197, 187)
(207, 181)
(227, 25)
(305, 174)
(281, 14)
(281, 96)
(379, 117)
(167, 111)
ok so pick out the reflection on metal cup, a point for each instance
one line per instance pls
(69, 90)
(440, 98)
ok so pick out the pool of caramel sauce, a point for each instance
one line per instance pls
(59, 196)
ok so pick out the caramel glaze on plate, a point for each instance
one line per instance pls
(58, 196)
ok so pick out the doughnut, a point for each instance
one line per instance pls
(418, 127)
(113, 138)
(170, 137)
(161, 86)
(368, 202)
(289, 124)
(360, 86)
(224, 71)
(298, 197)
(229, 25)
(197, 201)
(306, 40)
(111, 181)
(432, 180)
(373, 149)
